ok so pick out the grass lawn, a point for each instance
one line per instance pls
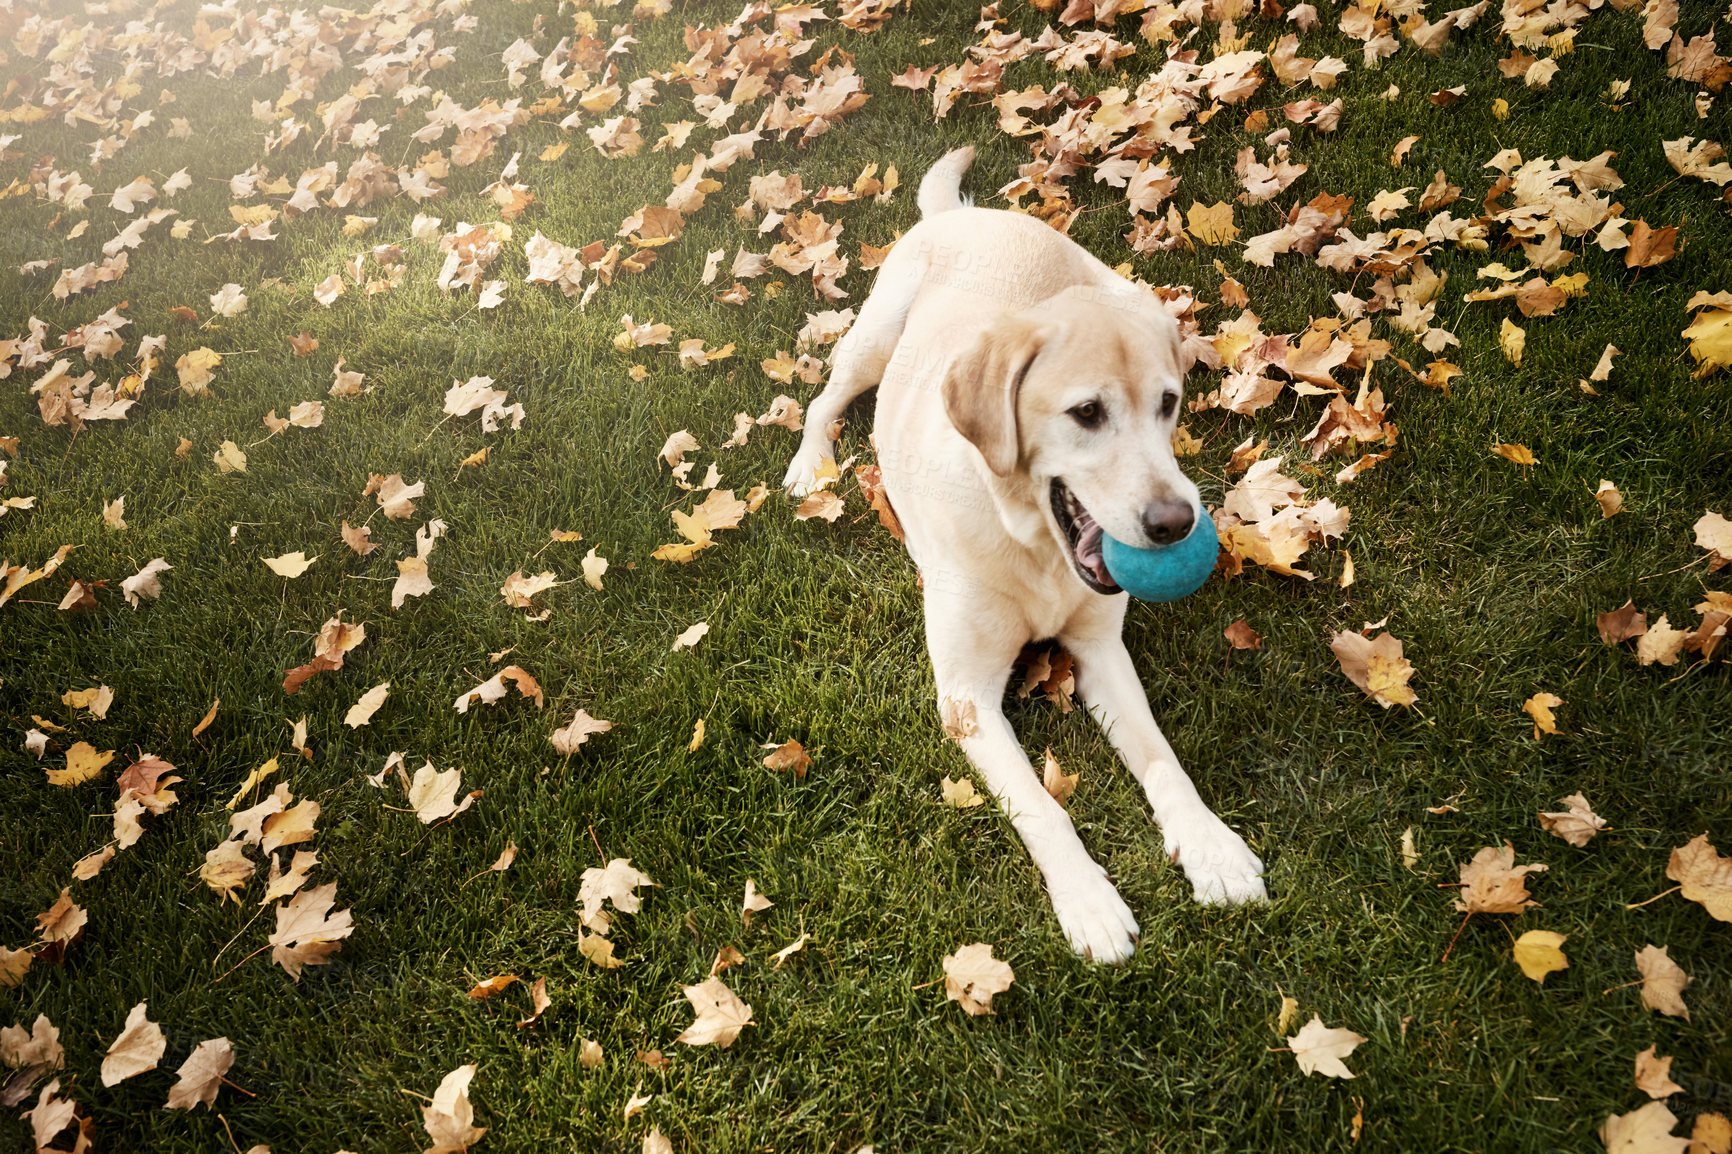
(1492, 574)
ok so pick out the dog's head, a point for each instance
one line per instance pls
(1079, 395)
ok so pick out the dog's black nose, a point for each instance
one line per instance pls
(1168, 521)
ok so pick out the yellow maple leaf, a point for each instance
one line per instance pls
(1211, 225)
(1537, 953)
(83, 762)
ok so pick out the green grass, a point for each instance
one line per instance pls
(1491, 574)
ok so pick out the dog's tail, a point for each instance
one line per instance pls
(940, 189)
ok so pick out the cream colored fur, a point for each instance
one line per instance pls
(983, 333)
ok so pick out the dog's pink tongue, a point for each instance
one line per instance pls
(1089, 553)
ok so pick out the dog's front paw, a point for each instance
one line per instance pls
(1094, 917)
(802, 473)
(1222, 868)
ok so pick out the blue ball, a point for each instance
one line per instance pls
(1166, 572)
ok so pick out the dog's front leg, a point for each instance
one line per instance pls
(972, 653)
(857, 365)
(1221, 867)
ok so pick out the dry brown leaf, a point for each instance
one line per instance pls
(565, 741)
(139, 1047)
(1703, 876)
(1663, 982)
(538, 1003)
(721, 1015)
(1616, 625)
(1644, 1131)
(1057, 782)
(493, 689)
(433, 795)
(1577, 824)
(449, 1118)
(1241, 636)
(1375, 665)
(1493, 884)
(1611, 501)
(490, 986)
(972, 976)
(789, 755)
(1654, 1075)
(307, 932)
(201, 1075)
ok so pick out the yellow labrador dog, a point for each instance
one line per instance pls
(1026, 401)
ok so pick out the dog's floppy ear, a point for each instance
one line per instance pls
(982, 385)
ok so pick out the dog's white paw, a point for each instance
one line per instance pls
(802, 472)
(1222, 868)
(1094, 917)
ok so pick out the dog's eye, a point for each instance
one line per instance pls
(1089, 414)
(1169, 403)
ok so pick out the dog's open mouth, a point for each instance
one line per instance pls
(1084, 538)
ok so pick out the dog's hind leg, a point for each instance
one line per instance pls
(858, 364)
(973, 648)
(1221, 867)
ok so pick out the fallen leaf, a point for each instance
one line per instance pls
(960, 794)
(972, 976)
(201, 1075)
(1660, 643)
(1059, 784)
(226, 869)
(433, 795)
(1644, 1131)
(491, 986)
(1242, 636)
(1703, 876)
(363, 710)
(1714, 533)
(691, 636)
(139, 1047)
(789, 755)
(1493, 884)
(1539, 707)
(450, 1118)
(1512, 339)
(83, 762)
(1611, 501)
(720, 1015)
(1211, 225)
(493, 689)
(1712, 1134)
(1375, 665)
(1320, 1049)
(594, 568)
(788, 951)
(754, 902)
(1577, 824)
(1517, 454)
(565, 741)
(307, 932)
(146, 583)
(538, 1003)
(289, 565)
(618, 883)
(1654, 1075)
(1537, 953)
(1663, 982)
